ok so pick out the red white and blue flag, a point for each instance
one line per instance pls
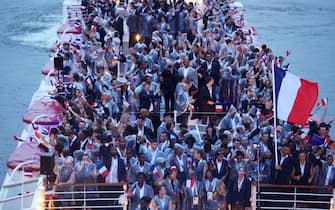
(322, 103)
(17, 138)
(28, 173)
(156, 173)
(218, 108)
(295, 96)
(102, 170)
(287, 53)
(190, 183)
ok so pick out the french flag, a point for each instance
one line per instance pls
(322, 103)
(295, 96)
(102, 170)
(28, 173)
(317, 140)
(156, 173)
(218, 108)
(190, 183)
(16, 138)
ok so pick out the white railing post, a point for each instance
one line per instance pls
(84, 196)
(295, 198)
(253, 197)
(125, 204)
(332, 204)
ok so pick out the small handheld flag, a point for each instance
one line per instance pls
(28, 173)
(287, 53)
(16, 138)
(102, 170)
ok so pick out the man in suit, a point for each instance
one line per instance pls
(138, 190)
(221, 167)
(189, 74)
(74, 142)
(284, 168)
(169, 82)
(326, 172)
(213, 67)
(141, 130)
(117, 173)
(183, 104)
(239, 192)
(116, 167)
(207, 99)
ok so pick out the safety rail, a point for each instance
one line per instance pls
(87, 196)
(270, 196)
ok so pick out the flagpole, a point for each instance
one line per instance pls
(274, 111)
(22, 176)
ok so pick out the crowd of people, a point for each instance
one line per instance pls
(193, 61)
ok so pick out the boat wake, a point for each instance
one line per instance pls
(38, 32)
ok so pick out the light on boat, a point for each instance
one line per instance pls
(137, 37)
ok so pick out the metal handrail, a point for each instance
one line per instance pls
(84, 192)
(295, 196)
(312, 194)
(11, 178)
(119, 184)
(297, 186)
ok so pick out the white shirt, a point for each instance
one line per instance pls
(302, 168)
(153, 157)
(210, 91)
(328, 174)
(186, 72)
(141, 168)
(239, 184)
(219, 165)
(112, 176)
(282, 159)
(210, 185)
(181, 163)
(141, 191)
(233, 123)
(82, 144)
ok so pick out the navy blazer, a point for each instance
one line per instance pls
(204, 97)
(283, 176)
(121, 168)
(223, 170)
(74, 146)
(243, 196)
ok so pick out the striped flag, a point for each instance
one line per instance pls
(93, 28)
(287, 53)
(190, 183)
(173, 168)
(28, 173)
(45, 131)
(295, 96)
(16, 138)
(317, 140)
(218, 108)
(156, 173)
(322, 103)
(102, 170)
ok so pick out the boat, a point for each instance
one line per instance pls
(44, 113)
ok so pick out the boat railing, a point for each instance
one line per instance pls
(270, 196)
(86, 196)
